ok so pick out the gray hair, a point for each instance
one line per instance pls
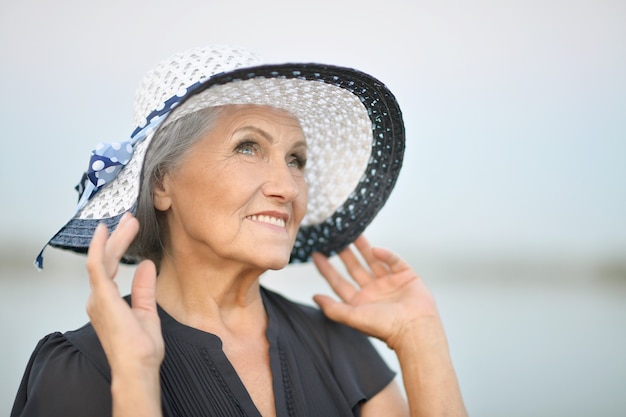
(166, 151)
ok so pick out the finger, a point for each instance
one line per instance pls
(339, 285)
(355, 268)
(394, 262)
(95, 254)
(119, 241)
(143, 289)
(378, 268)
(334, 310)
(401, 271)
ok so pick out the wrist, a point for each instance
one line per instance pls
(136, 392)
(423, 332)
(129, 373)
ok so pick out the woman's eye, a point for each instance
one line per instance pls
(247, 148)
(297, 161)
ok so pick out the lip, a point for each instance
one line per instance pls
(270, 218)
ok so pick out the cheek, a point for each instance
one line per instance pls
(303, 200)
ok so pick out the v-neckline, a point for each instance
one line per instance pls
(221, 366)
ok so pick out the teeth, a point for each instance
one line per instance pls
(268, 219)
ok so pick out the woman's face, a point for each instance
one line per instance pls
(239, 194)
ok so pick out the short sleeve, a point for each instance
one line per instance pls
(61, 381)
(360, 370)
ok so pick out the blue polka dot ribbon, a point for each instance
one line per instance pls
(108, 159)
(105, 163)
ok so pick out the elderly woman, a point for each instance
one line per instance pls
(237, 168)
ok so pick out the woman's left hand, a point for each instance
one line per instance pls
(389, 301)
(386, 299)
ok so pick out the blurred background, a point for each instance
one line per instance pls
(511, 203)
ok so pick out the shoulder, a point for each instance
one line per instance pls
(66, 374)
(77, 350)
(297, 316)
(273, 299)
(311, 317)
(310, 325)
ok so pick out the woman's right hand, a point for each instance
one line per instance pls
(130, 335)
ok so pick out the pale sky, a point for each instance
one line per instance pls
(515, 110)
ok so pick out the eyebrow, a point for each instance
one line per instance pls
(269, 137)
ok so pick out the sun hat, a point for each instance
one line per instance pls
(352, 123)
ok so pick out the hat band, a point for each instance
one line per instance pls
(107, 160)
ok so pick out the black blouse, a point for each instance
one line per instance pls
(319, 368)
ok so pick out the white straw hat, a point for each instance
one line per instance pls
(352, 123)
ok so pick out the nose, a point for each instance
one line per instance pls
(283, 182)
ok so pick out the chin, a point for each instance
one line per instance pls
(276, 264)
(273, 261)
(272, 256)
(278, 267)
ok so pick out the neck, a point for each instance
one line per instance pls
(217, 299)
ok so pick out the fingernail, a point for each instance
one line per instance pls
(124, 218)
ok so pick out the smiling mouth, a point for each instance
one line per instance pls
(274, 221)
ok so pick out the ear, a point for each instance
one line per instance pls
(160, 194)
